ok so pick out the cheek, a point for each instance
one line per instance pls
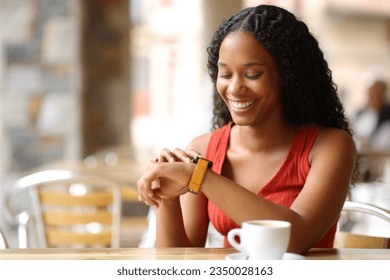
(221, 87)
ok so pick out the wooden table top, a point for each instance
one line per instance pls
(177, 254)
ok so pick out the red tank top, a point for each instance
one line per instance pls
(282, 189)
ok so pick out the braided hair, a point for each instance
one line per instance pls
(308, 93)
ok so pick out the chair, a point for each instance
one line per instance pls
(3, 241)
(345, 239)
(69, 209)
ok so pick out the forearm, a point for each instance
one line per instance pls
(241, 205)
(230, 198)
(170, 226)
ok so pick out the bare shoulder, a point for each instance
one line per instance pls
(334, 141)
(199, 143)
(330, 135)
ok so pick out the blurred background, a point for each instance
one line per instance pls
(82, 78)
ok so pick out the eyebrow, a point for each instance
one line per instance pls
(249, 64)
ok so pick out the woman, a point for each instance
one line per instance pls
(281, 149)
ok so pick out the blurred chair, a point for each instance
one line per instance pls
(111, 157)
(68, 209)
(346, 239)
(3, 240)
(120, 163)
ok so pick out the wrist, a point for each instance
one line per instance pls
(198, 174)
(169, 202)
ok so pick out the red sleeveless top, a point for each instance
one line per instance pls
(282, 189)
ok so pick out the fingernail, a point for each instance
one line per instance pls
(155, 184)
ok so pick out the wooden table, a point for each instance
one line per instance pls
(176, 254)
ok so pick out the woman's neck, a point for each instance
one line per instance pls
(264, 138)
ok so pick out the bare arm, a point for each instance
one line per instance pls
(183, 221)
(314, 211)
(318, 205)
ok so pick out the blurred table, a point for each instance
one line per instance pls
(367, 151)
(126, 172)
(177, 254)
(374, 164)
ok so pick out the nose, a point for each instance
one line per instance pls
(235, 85)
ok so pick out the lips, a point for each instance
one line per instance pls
(241, 105)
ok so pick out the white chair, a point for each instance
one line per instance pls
(68, 209)
(3, 240)
(346, 239)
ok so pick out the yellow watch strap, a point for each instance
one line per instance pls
(198, 174)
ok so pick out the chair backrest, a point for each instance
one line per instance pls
(344, 239)
(3, 240)
(72, 209)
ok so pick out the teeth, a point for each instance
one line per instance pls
(241, 105)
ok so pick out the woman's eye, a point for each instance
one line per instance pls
(225, 75)
(252, 76)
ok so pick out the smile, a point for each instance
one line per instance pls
(240, 105)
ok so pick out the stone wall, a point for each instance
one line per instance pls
(64, 80)
(39, 82)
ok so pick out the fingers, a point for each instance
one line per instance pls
(155, 184)
(147, 187)
(166, 156)
(174, 176)
(182, 155)
(151, 163)
(193, 153)
(150, 199)
(177, 155)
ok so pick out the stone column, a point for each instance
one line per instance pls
(106, 66)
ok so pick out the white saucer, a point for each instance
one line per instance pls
(242, 256)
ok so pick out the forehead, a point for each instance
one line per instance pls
(243, 46)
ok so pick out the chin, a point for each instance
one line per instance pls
(241, 121)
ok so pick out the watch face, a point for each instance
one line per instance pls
(197, 158)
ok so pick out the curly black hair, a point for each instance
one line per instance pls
(308, 93)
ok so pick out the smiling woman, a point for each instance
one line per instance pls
(281, 149)
(248, 79)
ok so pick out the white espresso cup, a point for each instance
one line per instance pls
(261, 239)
